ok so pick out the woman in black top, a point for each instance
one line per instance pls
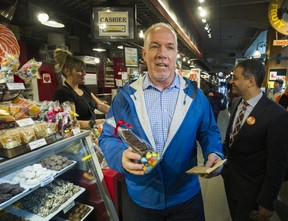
(74, 90)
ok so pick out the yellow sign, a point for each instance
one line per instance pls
(283, 42)
(278, 16)
(114, 23)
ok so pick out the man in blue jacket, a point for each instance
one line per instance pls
(170, 113)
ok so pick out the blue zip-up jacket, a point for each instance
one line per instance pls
(167, 184)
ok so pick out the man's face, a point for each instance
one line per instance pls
(160, 53)
(239, 83)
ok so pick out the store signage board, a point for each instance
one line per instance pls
(276, 12)
(37, 143)
(277, 73)
(46, 181)
(25, 122)
(131, 57)
(113, 23)
(76, 130)
(68, 207)
(193, 75)
(15, 86)
(283, 42)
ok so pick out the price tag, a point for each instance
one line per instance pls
(76, 130)
(46, 181)
(67, 208)
(37, 143)
(25, 122)
(15, 86)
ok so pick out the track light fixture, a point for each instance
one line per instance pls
(47, 20)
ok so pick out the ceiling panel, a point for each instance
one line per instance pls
(234, 23)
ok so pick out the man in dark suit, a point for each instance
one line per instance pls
(255, 146)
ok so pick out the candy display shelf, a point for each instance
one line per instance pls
(79, 147)
(58, 218)
(34, 217)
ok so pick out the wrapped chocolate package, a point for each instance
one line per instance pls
(138, 145)
(149, 157)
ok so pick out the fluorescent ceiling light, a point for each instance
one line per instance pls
(45, 20)
(99, 49)
(200, 8)
(43, 17)
(53, 24)
(203, 13)
(141, 34)
(257, 54)
(97, 60)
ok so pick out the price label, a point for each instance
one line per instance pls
(25, 122)
(46, 181)
(15, 86)
(67, 208)
(37, 143)
(76, 130)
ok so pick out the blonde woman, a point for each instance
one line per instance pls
(74, 90)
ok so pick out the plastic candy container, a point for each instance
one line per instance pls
(149, 157)
(149, 160)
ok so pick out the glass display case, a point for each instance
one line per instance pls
(79, 171)
(9, 91)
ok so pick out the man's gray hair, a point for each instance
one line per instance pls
(160, 24)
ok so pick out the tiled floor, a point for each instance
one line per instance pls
(216, 208)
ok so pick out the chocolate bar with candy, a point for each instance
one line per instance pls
(134, 142)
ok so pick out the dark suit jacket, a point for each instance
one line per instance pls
(258, 158)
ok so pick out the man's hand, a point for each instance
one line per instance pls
(212, 160)
(128, 163)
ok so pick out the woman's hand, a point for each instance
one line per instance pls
(101, 106)
(128, 162)
(99, 121)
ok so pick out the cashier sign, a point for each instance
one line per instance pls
(113, 23)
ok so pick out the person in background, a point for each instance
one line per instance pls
(231, 95)
(74, 90)
(169, 112)
(257, 156)
(278, 89)
(217, 101)
(282, 98)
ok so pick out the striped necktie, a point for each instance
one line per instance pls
(238, 122)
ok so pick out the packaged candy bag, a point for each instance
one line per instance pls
(29, 70)
(8, 67)
(149, 157)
